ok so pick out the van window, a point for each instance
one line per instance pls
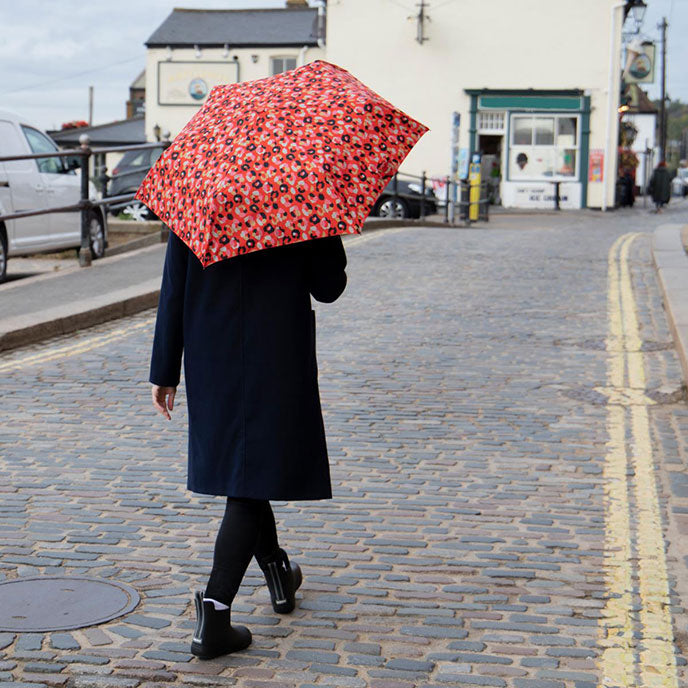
(40, 143)
(12, 144)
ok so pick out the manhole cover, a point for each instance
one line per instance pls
(59, 603)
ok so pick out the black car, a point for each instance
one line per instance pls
(406, 203)
(127, 177)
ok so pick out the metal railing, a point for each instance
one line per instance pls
(456, 193)
(453, 203)
(85, 204)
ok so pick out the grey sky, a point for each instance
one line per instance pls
(52, 50)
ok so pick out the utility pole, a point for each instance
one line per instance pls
(662, 109)
(90, 106)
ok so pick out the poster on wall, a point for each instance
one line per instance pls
(188, 83)
(462, 167)
(596, 165)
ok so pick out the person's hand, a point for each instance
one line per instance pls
(163, 399)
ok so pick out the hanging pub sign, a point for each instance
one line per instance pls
(641, 67)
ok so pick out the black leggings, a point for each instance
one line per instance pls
(247, 529)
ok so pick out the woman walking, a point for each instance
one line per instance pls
(247, 334)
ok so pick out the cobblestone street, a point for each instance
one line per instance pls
(507, 435)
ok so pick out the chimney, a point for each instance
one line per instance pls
(297, 4)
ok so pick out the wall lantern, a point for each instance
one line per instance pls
(254, 58)
(637, 9)
(156, 132)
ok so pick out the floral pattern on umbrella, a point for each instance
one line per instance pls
(301, 155)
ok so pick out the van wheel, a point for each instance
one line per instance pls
(3, 256)
(96, 232)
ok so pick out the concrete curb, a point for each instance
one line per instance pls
(52, 322)
(671, 262)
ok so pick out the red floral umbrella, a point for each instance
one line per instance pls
(297, 156)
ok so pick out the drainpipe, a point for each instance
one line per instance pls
(321, 24)
(301, 60)
(611, 146)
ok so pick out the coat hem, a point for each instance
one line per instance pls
(276, 497)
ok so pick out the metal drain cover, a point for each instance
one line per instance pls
(60, 603)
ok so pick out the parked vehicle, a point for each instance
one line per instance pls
(36, 184)
(679, 184)
(126, 179)
(406, 203)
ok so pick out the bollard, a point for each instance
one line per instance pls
(422, 196)
(85, 257)
(446, 199)
(556, 196)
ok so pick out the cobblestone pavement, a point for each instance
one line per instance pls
(497, 519)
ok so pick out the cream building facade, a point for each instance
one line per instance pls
(535, 86)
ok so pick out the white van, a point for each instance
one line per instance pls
(35, 184)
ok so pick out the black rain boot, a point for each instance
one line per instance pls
(283, 579)
(214, 634)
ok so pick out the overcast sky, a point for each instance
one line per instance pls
(52, 50)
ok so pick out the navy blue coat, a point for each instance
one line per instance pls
(247, 332)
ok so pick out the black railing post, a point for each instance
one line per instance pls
(446, 199)
(85, 256)
(395, 188)
(556, 196)
(422, 197)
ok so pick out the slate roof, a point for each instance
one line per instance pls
(121, 132)
(237, 28)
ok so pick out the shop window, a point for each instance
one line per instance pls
(544, 147)
(282, 64)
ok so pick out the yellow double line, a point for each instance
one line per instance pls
(56, 353)
(636, 629)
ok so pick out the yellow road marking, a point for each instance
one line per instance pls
(88, 344)
(374, 235)
(655, 664)
(616, 623)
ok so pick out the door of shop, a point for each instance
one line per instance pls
(490, 146)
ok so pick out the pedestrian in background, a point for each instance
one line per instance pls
(660, 186)
(247, 333)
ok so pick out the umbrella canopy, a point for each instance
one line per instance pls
(297, 156)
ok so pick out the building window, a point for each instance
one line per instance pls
(544, 147)
(282, 64)
(491, 122)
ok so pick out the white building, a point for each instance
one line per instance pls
(533, 85)
(194, 50)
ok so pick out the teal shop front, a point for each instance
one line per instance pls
(532, 142)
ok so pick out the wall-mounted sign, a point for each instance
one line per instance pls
(539, 195)
(188, 83)
(641, 69)
(596, 165)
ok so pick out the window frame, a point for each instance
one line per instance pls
(556, 149)
(62, 167)
(282, 58)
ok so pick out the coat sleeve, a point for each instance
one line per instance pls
(168, 342)
(326, 263)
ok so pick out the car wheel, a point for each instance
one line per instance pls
(3, 256)
(393, 208)
(96, 234)
(137, 211)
